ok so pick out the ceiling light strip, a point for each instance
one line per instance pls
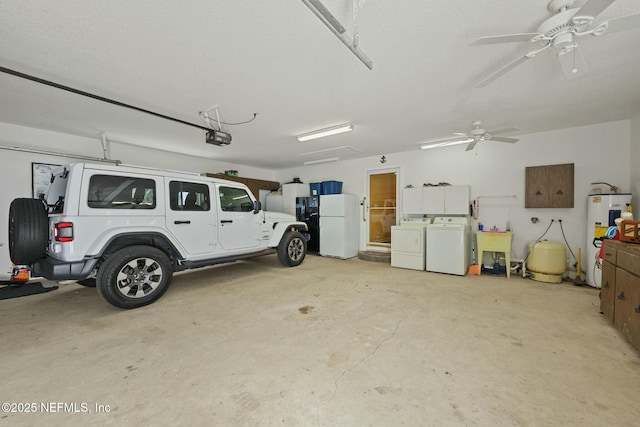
(320, 133)
(336, 28)
(317, 4)
(316, 162)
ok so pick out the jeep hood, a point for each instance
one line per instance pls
(278, 217)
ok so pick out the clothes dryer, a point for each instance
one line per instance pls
(449, 243)
(408, 243)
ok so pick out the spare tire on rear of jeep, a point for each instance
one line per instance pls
(28, 230)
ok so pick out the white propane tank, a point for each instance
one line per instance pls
(547, 261)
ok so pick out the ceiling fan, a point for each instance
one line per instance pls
(475, 135)
(561, 32)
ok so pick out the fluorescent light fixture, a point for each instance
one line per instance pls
(325, 132)
(336, 28)
(315, 162)
(445, 144)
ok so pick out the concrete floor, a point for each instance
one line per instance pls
(329, 343)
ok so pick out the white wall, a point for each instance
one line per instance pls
(15, 166)
(495, 169)
(635, 170)
(599, 153)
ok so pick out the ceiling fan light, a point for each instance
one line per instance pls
(445, 144)
(321, 133)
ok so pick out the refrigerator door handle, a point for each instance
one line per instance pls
(364, 213)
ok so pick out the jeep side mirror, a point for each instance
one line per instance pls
(257, 206)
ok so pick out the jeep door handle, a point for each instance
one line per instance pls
(182, 222)
(226, 221)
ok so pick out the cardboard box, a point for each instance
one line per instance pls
(630, 231)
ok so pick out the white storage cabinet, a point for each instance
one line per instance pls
(445, 200)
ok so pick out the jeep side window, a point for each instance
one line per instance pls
(121, 192)
(188, 196)
(235, 200)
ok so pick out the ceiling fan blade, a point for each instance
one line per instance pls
(572, 63)
(471, 145)
(464, 135)
(624, 23)
(452, 139)
(593, 8)
(507, 38)
(502, 71)
(506, 130)
(503, 139)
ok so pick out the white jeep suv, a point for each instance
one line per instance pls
(126, 230)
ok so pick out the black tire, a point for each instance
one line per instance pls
(134, 276)
(292, 249)
(89, 283)
(28, 230)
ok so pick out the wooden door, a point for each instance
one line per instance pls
(382, 201)
(624, 299)
(608, 289)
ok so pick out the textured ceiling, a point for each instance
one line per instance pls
(278, 60)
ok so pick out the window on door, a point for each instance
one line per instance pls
(188, 196)
(382, 207)
(235, 200)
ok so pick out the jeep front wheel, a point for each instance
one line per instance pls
(134, 277)
(292, 249)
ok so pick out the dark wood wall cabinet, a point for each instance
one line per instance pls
(255, 185)
(549, 186)
(620, 292)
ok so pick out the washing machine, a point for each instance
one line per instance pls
(449, 243)
(408, 243)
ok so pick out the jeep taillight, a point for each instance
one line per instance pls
(63, 231)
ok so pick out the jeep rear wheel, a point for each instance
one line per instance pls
(28, 230)
(134, 277)
(292, 249)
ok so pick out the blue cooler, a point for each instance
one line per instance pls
(331, 187)
(316, 188)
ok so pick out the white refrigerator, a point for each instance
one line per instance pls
(339, 225)
(603, 209)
